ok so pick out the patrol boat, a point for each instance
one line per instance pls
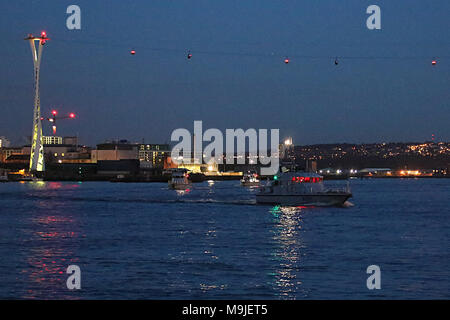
(300, 188)
(250, 179)
(179, 180)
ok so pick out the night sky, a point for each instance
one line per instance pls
(236, 77)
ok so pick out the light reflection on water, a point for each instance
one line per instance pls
(51, 231)
(286, 233)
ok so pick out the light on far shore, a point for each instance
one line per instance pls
(288, 141)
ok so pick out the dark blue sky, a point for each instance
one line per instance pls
(148, 95)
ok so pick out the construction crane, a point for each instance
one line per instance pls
(55, 117)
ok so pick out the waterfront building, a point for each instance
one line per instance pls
(369, 172)
(113, 151)
(5, 153)
(51, 140)
(4, 143)
(153, 155)
(71, 140)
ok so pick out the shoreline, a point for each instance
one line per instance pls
(209, 178)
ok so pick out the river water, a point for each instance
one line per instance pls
(143, 241)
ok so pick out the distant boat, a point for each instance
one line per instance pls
(3, 176)
(250, 179)
(179, 180)
(301, 188)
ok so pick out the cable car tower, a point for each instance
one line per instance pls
(37, 146)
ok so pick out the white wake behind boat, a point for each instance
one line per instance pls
(301, 188)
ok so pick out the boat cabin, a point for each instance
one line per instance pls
(297, 182)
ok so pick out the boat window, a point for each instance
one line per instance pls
(306, 179)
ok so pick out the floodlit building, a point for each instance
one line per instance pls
(286, 149)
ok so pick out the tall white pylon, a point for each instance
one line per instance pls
(37, 163)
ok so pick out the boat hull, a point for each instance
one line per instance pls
(179, 186)
(249, 184)
(320, 200)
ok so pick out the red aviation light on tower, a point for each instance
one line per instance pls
(286, 60)
(54, 112)
(72, 115)
(44, 37)
(133, 52)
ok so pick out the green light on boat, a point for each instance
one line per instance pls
(275, 177)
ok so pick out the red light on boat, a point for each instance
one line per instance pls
(44, 34)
